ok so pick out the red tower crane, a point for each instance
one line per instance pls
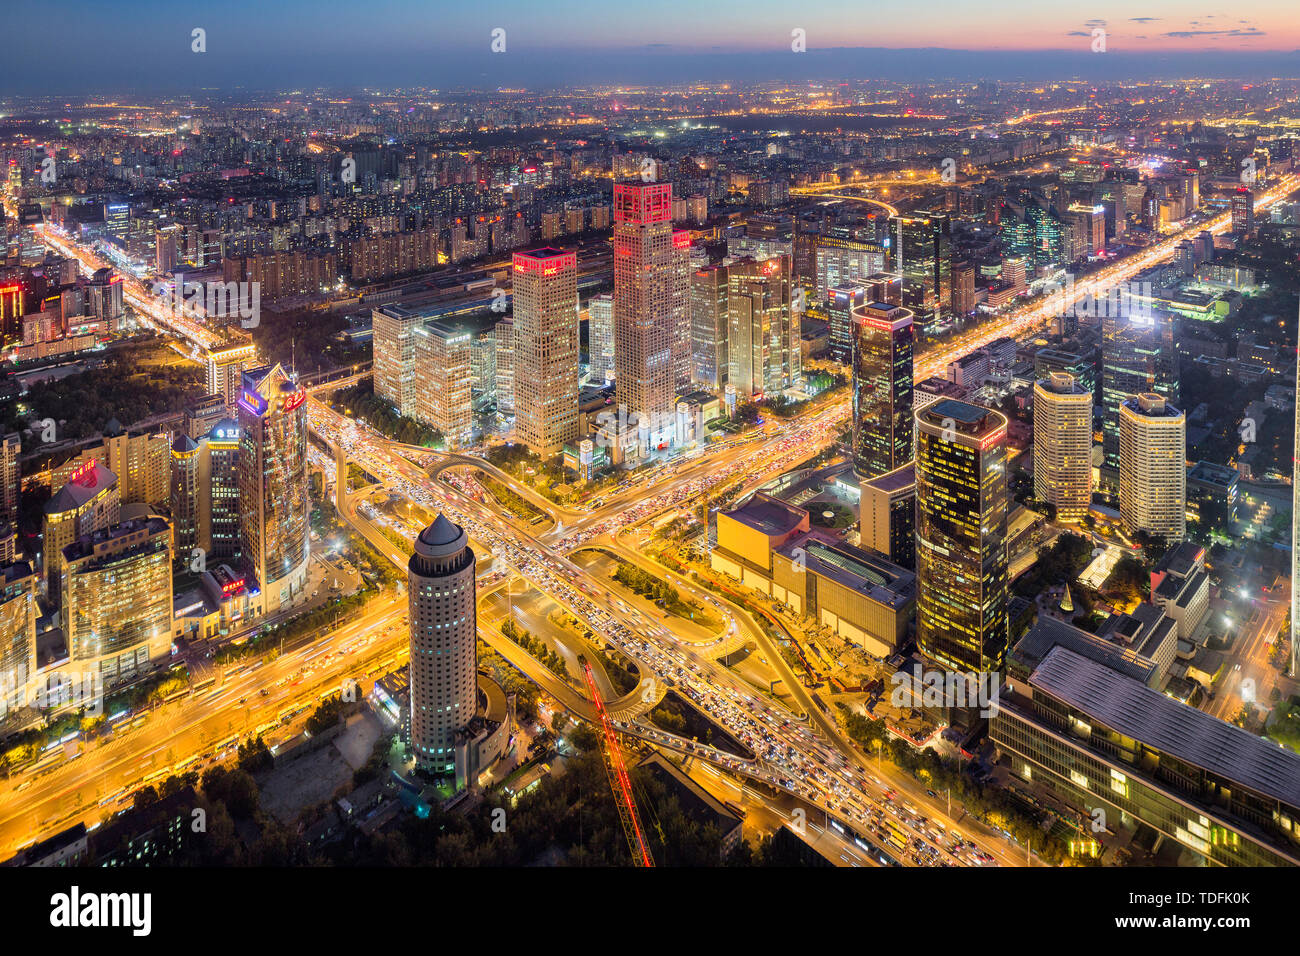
(619, 782)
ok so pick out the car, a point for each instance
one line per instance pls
(930, 793)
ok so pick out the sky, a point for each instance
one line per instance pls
(84, 46)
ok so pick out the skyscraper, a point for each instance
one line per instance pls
(1153, 467)
(709, 328)
(18, 613)
(444, 646)
(186, 456)
(219, 491)
(225, 366)
(921, 256)
(1243, 211)
(1063, 445)
(649, 308)
(841, 302)
(881, 361)
(443, 398)
(273, 484)
(961, 529)
(546, 349)
(1138, 355)
(600, 339)
(393, 334)
(10, 478)
(763, 341)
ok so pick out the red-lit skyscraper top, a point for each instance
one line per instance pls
(643, 202)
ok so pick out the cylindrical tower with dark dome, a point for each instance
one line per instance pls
(444, 649)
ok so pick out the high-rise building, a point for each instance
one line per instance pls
(546, 349)
(1138, 355)
(393, 335)
(651, 318)
(504, 333)
(225, 366)
(219, 491)
(18, 613)
(10, 478)
(1153, 467)
(881, 361)
(1063, 445)
(845, 254)
(763, 340)
(443, 398)
(273, 484)
(600, 339)
(921, 256)
(709, 328)
(887, 516)
(963, 290)
(841, 302)
(185, 494)
(1243, 211)
(961, 530)
(117, 598)
(89, 501)
(444, 646)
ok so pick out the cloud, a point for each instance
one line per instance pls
(1148, 19)
(1188, 34)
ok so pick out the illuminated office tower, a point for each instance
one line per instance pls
(444, 645)
(10, 477)
(273, 484)
(887, 515)
(841, 302)
(18, 613)
(1243, 211)
(443, 399)
(186, 457)
(1153, 467)
(921, 257)
(709, 328)
(117, 598)
(225, 367)
(845, 254)
(763, 341)
(91, 500)
(650, 308)
(961, 530)
(393, 335)
(504, 334)
(1138, 355)
(1063, 445)
(881, 361)
(546, 349)
(600, 339)
(219, 492)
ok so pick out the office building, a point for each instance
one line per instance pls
(10, 478)
(219, 492)
(89, 502)
(546, 349)
(709, 320)
(443, 399)
(921, 257)
(393, 332)
(841, 302)
(1138, 355)
(117, 598)
(444, 647)
(651, 314)
(1243, 211)
(763, 339)
(887, 515)
(1102, 739)
(1063, 446)
(1153, 467)
(225, 366)
(600, 339)
(961, 527)
(881, 359)
(273, 484)
(185, 494)
(18, 613)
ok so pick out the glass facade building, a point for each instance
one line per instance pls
(882, 348)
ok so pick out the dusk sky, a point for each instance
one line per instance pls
(146, 43)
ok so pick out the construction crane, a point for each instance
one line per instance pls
(619, 782)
